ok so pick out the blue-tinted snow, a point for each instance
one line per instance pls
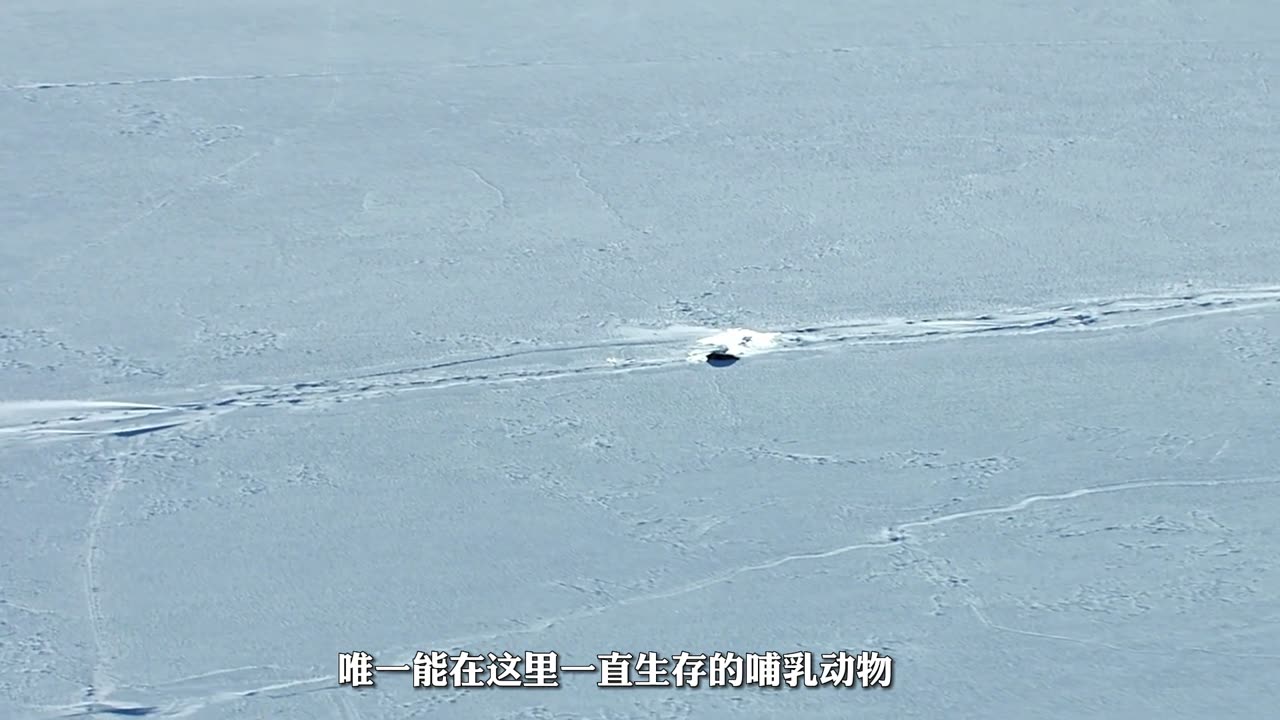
(334, 326)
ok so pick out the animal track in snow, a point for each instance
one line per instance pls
(633, 349)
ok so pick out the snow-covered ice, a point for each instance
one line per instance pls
(738, 342)
(337, 327)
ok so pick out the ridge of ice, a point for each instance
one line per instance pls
(740, 342)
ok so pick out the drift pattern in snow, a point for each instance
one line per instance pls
(629, 350)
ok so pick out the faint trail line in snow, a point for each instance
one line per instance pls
(894, 535)
(502, 208)
(976, 607)
(185, 707)
(639, 350)
(936, 570)
(166, 199)
(746, 56)
(101, 683)
(784, 54)
(889, 538)
(600, 197)
(177, 79)
(1081, 492)
(173, 194)
(209, 674)
(1225, 444)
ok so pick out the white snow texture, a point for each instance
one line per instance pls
(344, 327)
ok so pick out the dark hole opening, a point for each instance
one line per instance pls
(721, 359)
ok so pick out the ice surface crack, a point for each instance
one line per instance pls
(633, 350)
